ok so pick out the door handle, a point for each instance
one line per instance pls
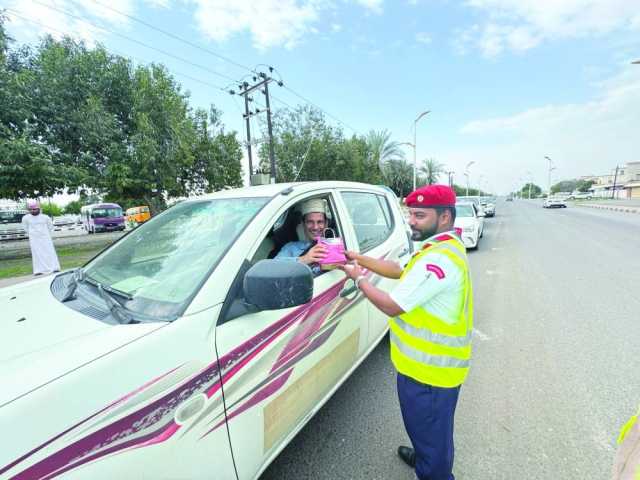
(346, 291)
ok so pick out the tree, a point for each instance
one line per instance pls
(584, 185)
(398, 175)
(564, 186)
(382, 148)
(431, 170)
(307, 148)
(530, 187)
(73, 207)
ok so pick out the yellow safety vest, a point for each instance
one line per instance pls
(626, 466)
(425, 347)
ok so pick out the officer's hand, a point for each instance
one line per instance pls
(351, 255)
(317, 253)
(352, 270)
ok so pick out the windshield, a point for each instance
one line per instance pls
(464, 211)
(162, 263)
(106, 212)
(11, 217)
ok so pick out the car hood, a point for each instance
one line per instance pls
(42, 339)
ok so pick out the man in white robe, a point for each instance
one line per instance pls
(39, 227)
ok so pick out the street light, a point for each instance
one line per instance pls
(551, 167)
(636, 62)
(415, 122)
(466, 173)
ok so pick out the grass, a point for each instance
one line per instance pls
(69, 256)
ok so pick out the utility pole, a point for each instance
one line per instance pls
(615, 179)
(247, 118)
(415, 142)
(261, 80)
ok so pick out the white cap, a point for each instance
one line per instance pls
(315, 205)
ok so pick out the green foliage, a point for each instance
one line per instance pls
(431, 170)
(532, 188)
(75, 118)
(584, 185)
(307, 148)
(73, 207)
(51, 209)
(564, 186)
(382, 148)
(398, 175)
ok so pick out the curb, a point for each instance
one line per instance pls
(615, 208)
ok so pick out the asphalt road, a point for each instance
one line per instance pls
(556, 367)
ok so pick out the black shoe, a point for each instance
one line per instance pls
(408, 455)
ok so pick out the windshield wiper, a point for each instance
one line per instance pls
(76, 277)
(118, 312)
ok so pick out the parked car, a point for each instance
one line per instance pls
(476, 200)
(471, 222)
(554, 202)
(184, 350)
(11, 224)
(580, 196)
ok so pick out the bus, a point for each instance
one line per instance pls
(138, 215)
(102, 217)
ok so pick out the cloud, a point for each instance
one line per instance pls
(423, 37)
(270, 22)
(582, 138)
(374, 6)
(336, 27)
(519, 25)
(33, 19)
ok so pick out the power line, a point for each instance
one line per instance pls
(48, 27)
(176, 57)
(174, 36)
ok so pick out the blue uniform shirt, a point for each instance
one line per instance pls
(292, 250)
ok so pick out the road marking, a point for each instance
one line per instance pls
(482, 336)
(491, 272)
(495, 249)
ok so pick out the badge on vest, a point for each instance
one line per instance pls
(436, 270)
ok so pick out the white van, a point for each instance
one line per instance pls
(183, 350)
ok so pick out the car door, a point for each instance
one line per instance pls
(279, 366)
(380, 232)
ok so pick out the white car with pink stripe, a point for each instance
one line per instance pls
(183, 350)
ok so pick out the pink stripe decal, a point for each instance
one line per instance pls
(435, 269)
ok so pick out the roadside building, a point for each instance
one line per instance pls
(627, 182)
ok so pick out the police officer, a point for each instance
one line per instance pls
(627, 462)
(431, 319)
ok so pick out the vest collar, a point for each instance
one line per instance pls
(439, 237)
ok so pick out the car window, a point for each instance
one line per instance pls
(463, 211)
(371, 218)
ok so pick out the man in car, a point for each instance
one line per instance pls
(314, 222)
(430, 327)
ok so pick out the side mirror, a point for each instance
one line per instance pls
(481, 214)
(276, 284)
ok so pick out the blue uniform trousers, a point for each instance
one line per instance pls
(428, 413)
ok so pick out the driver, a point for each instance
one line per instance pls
(314, 221)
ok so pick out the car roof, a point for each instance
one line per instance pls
(274, 189)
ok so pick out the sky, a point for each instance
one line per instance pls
(507, 82)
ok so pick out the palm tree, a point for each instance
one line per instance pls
(431, 170)
(382, 148)
(398, 175)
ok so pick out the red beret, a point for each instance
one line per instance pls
(432, 196)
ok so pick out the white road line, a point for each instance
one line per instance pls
(491, 272)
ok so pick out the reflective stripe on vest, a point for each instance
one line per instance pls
(424, 346)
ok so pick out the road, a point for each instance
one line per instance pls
(555, 370)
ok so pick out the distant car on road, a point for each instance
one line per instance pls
(471, 221)
(489, 206)
(554, 202)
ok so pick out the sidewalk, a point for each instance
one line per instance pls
(7, 282)
(633, 207)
